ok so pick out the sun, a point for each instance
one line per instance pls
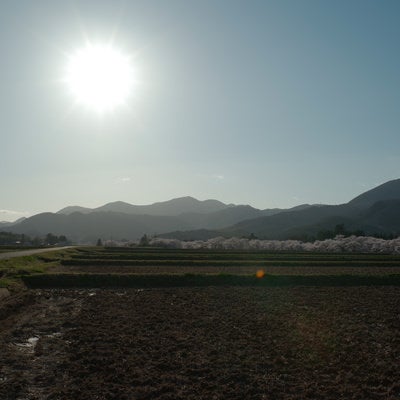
(99, 77)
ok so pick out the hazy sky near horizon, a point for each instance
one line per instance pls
(267, 103)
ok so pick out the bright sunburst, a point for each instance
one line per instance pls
(99, 77)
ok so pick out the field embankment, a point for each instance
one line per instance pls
(155, 267)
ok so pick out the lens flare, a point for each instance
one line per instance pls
(260, 273)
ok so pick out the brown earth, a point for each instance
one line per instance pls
(4, 293)
(201, 343)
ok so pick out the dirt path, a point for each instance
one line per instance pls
(13, 254)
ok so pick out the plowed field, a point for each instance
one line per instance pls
(201, 343)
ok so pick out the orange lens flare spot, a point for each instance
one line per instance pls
(260, 273)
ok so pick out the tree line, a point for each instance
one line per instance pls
(338, 230)
(341, 230)
(13, 239)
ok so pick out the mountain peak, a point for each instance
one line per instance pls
(72, 209)
(118, 202)
(173, 207)
(387, 191)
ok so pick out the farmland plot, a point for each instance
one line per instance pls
(202, 343)
(165, 261)
(133, 324)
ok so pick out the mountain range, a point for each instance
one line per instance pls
(375, 211)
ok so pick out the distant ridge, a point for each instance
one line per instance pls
(5, 224)
(120, 220)
(376, 211)
(172, 207)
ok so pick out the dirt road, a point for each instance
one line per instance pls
(13, 254)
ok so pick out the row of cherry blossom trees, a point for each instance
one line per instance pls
(340, 244)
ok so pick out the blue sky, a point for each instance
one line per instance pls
(268, 103)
